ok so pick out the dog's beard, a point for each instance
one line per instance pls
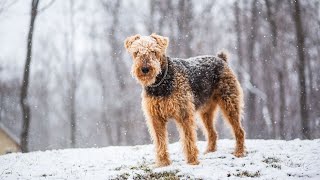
(146, 79)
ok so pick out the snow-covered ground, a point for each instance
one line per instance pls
(266, 159)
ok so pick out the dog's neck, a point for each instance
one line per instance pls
(162, 75)
(163, 86)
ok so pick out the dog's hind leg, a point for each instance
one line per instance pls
(231, 104)
(207, 114)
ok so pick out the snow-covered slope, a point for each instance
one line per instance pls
(266, 159)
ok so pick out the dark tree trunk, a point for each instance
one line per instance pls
(272, 22)
(119, 66)
(280, 70)
(73, 114)
(184, 20)
(301, 71)
(282, 104)
(152, 7)
(72, 79)
(26, 114)
(251, 48)
(163, 5)
(239, 40)
(1, 104)
(104, 117)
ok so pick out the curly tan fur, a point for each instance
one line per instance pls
(170, 92)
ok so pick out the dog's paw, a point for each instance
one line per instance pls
(210, 150)
(239, 154)
(162, 164)
(196, 162)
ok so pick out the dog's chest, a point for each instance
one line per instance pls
(166, 107)
(166, 87)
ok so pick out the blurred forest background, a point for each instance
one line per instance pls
(80, 91)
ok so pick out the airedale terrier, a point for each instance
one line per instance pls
(175, 88)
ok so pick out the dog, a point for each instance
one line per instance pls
(176, 88)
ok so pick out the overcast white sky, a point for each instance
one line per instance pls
(13, 32)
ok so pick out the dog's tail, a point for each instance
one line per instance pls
(223, 55)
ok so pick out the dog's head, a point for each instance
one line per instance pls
(148, 54)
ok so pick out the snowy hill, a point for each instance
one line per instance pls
(266, 159)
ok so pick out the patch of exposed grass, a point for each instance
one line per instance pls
(144, 167)
(123, 176)
(271, 160)
(247, 174)
(166, 175)
(119, 168)
(277, 166)
(150, 175)
(298, 175)
(222, 157)
(143, 171)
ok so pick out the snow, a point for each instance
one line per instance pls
(266, 159)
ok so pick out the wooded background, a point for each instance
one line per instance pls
(65, 76)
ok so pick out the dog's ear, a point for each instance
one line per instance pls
(163, 42)
(130, 40)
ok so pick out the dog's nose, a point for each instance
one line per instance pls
(145, 70)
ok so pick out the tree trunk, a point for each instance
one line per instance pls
(239, 40)
(282, 104)
(72, 79)
(118, 63)
(104, 117)
(119, 67)
(184, 20)
(26, 114)
(73, 115)
(301, 71)
(274, 31)
(152, 7)
(251, 48)
(100, 77)
(1, 104)
(272, 23)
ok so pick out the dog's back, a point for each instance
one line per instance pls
(203, 73)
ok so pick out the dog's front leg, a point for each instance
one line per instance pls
(158, 132)
(188, 135)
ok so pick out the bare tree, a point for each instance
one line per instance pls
(1, 98)
(72, 77)
(159, 15)
(120, 68)
(74, 71)
(252, 110)
(239, 36)
(26, 114)
(184, 22)
(100, 72)
(280, 67)
(296, 14)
